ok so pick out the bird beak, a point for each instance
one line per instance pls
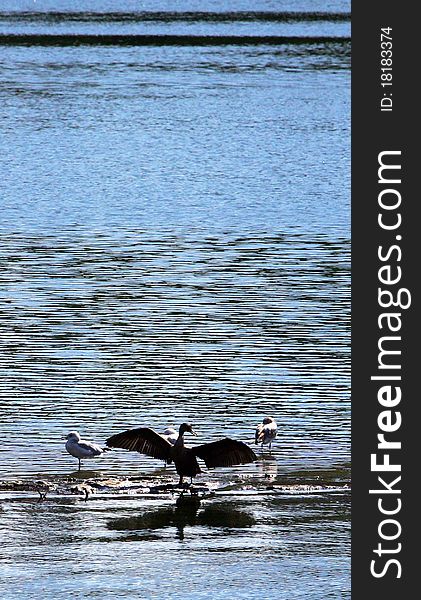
(193, 432)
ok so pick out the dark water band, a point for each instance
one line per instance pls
(162, 40)
(160, 16)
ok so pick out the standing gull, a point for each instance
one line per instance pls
(82, 449)
(170, 434)
(266, 432)
(223, 453)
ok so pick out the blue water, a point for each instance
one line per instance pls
(174, 245)
(107, 6)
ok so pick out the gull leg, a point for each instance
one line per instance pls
(79, 464)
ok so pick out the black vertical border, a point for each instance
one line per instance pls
(374, 131)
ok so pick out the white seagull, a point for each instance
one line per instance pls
(170, 434)
(266, 432)
(82, 449)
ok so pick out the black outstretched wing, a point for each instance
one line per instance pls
(143, 440)
(225, 453)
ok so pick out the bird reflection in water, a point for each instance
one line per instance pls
(221, 515)
(267, 468)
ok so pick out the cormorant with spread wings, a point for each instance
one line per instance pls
(223, 453)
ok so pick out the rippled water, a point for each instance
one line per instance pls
(113, 331)
(155, 551)
(174, 245)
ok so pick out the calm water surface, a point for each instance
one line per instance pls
(174, 245)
